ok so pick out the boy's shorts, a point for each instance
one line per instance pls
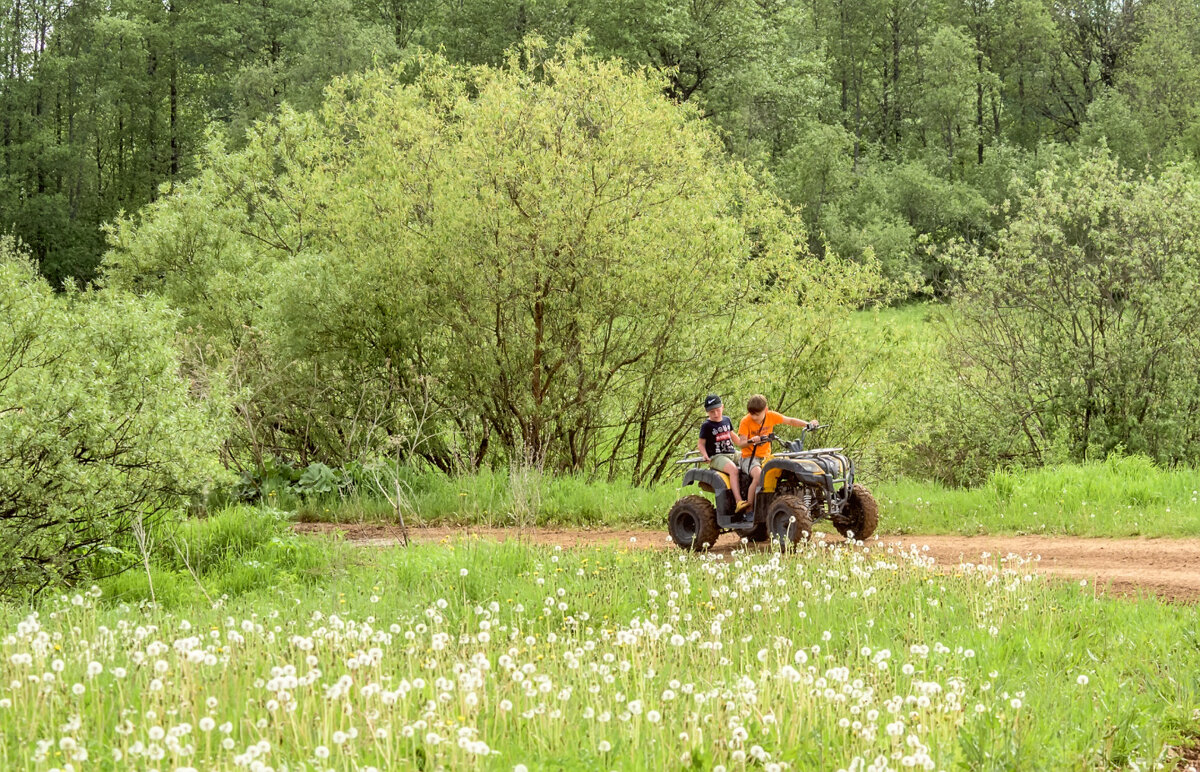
(721, 462)
(746, 465)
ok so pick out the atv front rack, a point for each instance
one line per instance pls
(803, 453)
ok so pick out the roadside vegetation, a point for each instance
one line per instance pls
(423, 297)
(1122, 496)
(1115, 496)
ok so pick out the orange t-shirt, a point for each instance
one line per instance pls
(749, 427)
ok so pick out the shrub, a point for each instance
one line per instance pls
(1082, 329)
(98, 432)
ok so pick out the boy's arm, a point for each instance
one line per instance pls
(797, 422)
(700, 448)
(737, 439)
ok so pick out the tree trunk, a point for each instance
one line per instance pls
(533, 429)
(979, 102)
(896, 75)
(173, 96)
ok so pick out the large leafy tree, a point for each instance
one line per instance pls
(551, 257)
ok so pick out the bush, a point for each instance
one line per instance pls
(98, 432)
(1082, 329)
(276, 477)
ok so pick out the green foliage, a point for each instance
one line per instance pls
(98, 431)
(317, 479)
(1113, 125)
(895, 129)
(277, 478)
(550, 257)
(910, 412)
(235, 552)
(945, 104)
(1162, 80)
(487, 497)
(903, 214)
(1120, 496)
(1082, 329)
(105, 102)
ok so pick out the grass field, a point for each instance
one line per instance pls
(244, 645)
(1118, 497)
(312, 655)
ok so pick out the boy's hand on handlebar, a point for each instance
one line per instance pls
(814, 424)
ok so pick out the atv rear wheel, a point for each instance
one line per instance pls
(788, 521)
(692, 523)
(860, 515)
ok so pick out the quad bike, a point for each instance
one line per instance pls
(797, 488)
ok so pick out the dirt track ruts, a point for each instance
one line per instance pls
(1168, 568)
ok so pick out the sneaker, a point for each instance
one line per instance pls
(742, 506)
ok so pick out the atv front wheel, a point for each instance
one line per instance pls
(859, 516)
(788, 521)
(692, 523)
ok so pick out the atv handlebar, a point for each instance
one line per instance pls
(806, 430)
(773, 437)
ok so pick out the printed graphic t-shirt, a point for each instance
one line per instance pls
(749, 428)
(717, 436)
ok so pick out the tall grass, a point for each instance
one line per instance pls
(233, 552)
(487, 498)
(1123, 496)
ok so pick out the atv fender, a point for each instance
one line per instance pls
(716, 483)
(709, 480)
(806, 471)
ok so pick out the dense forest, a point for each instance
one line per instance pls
(896, 126)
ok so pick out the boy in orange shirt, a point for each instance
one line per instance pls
(755, 426)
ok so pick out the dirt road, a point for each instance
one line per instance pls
(1168, 568)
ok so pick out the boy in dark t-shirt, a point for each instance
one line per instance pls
(716, 445)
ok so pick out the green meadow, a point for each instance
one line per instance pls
(281, 651)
